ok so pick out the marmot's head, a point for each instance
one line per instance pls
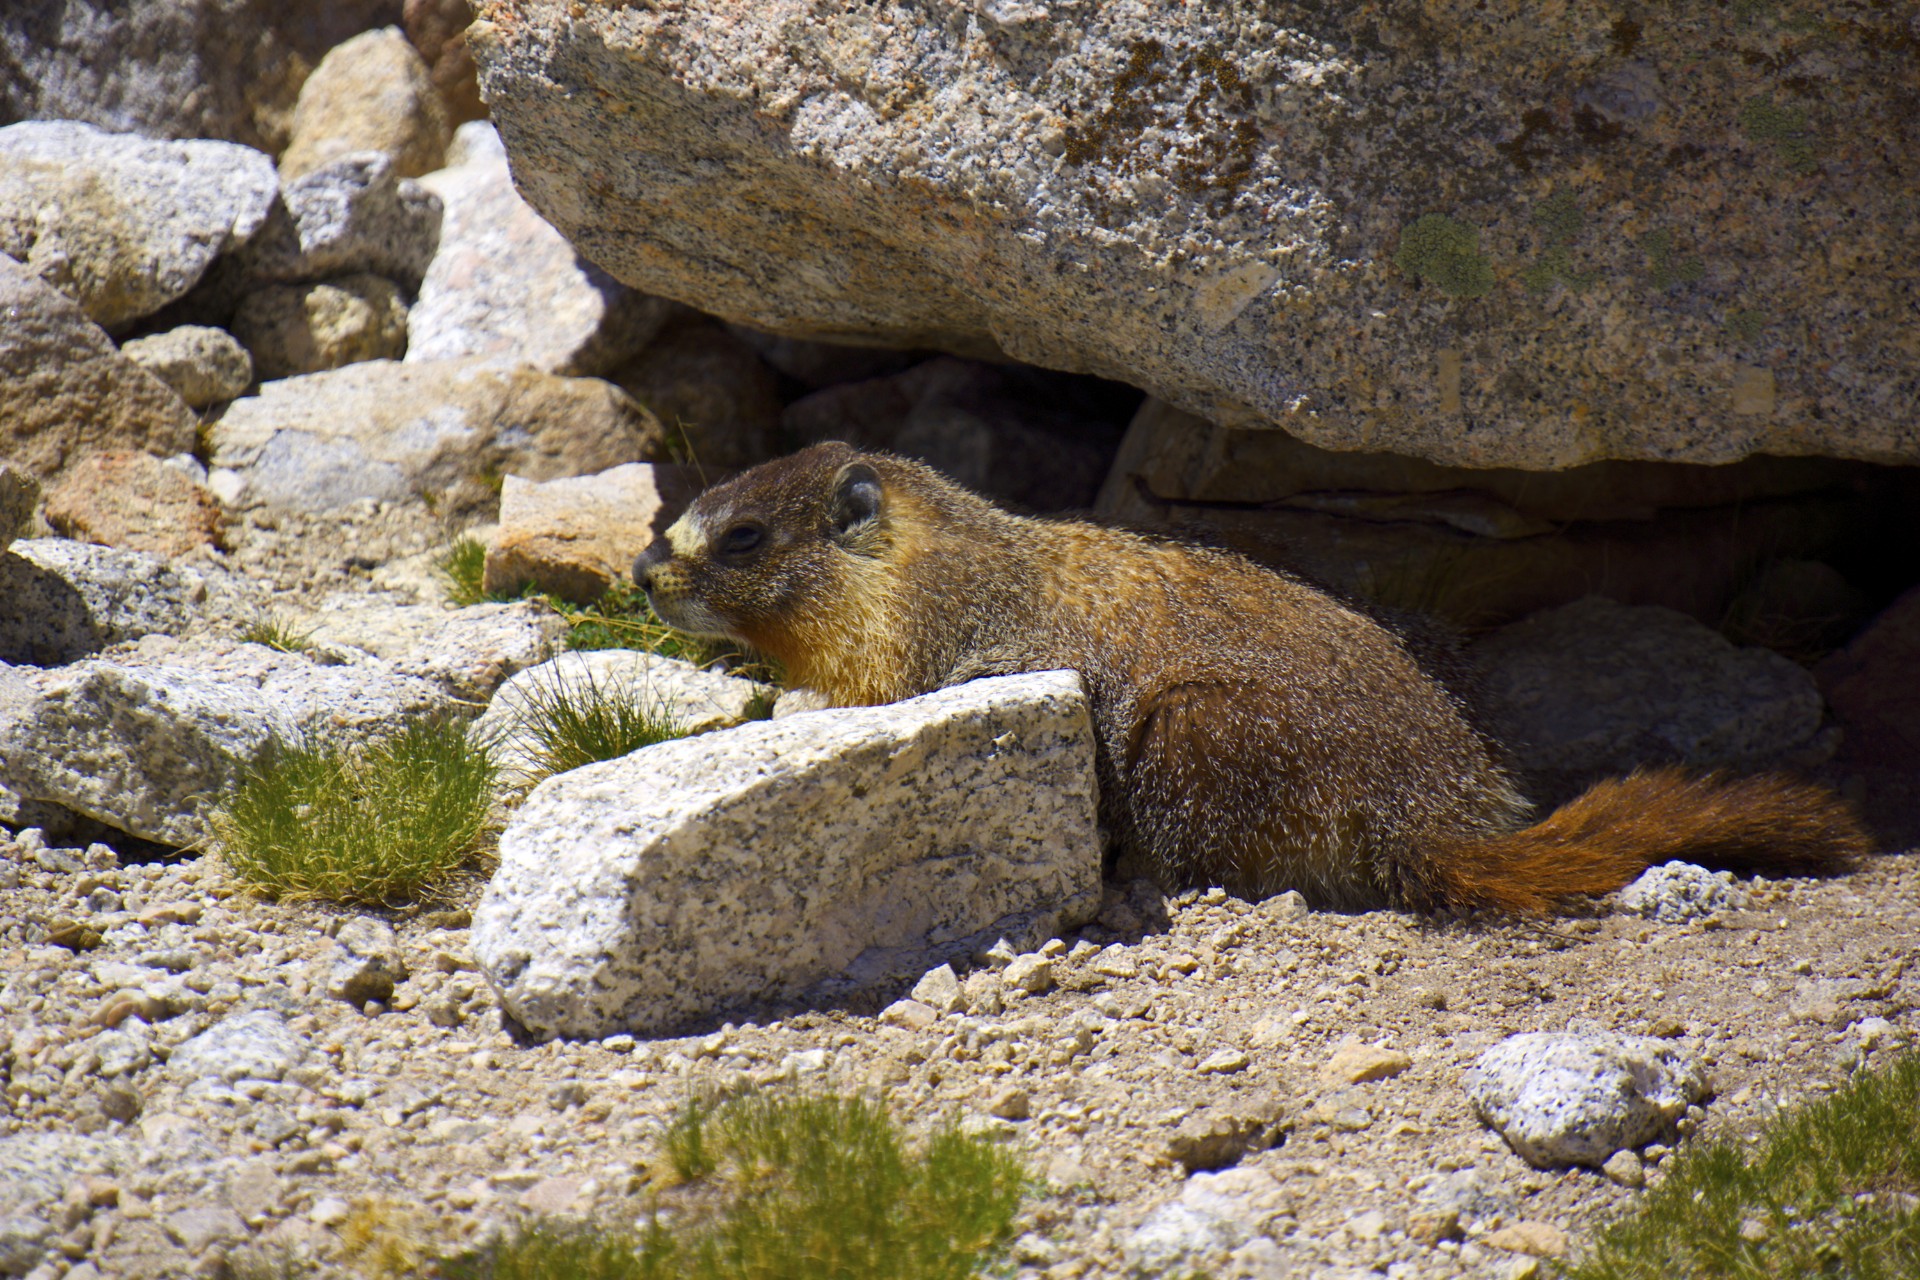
(771, 556)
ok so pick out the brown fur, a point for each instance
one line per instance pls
(1252, 731)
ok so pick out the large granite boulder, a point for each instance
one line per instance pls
(121, 224)
(1481, 232)
(227, 69)
(842, 848)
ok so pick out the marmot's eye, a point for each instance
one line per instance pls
(740, 539)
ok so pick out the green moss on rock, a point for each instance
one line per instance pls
(1445, 253)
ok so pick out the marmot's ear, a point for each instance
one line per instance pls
(856, 498)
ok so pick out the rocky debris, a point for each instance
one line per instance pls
(257, 1045)
(292, 329)
(1356, 1063)
(370, 93)
(393, 432)
(148, 747)
(66, 391)
(1597, 688)
(171, 68)
(366, 962)
(202, 364)
(1562, 1098)
(1025, 436)
(1679, 892)
(1872, 691)
(645, 892)
(124, 225)
(351, 215)
(1200, 202)
(136, 502)
(71, 599)
(437, 28)
(1217, 1136)
(575, 536)
(939, 990)
(503, 283)
(1216, 1224)
(19, 495)
(692, 700)
(36, 1171)
(699, 376)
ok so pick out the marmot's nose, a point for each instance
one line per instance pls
(649, 560)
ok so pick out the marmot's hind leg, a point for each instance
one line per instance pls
(1218, 794)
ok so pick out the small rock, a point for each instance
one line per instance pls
(910, 1014)
(1356, 1063)
(366, 962)
(1031, 973)
(329, 1211)
(1116, 962)
(1286, 906)
(1010, 1103)
(1625, 1169)
(136, 502)
(984, 993)
(355, 214)
(551, 1195)
(1679, 891)
(940, 988)
(1538, 1239)
(256, 1045)
(575, 536)
(1223, 1062)
(1576, 1098)
(292, 329)
(1217, 1136)
(1430, 1224)
(202, 364)
(194, 1229)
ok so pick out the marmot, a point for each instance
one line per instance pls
(1253, 731)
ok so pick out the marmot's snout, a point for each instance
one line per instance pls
(647, 561)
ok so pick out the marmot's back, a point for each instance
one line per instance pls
(1254, 732)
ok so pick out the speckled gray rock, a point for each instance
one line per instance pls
(202, 364)
(694, 700)
(1481, 233)
(468, 652)
(365, 963)
(352, 214)
(390, 431)
(71, 599)
(1679, 892)
(19, 494)
(1562, 1098)
(147, 748)
(123, 225)
(505, 284)
(256, 1045)
(1596, 687)
(840, 848)
(171, 68)
(66, 390)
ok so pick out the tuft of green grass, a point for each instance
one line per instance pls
(811, 1188)
(577, 722)
(375, 824)
(1831, 1190)
(279, 633)
(463, 566)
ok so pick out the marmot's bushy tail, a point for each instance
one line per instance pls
(1609, 834)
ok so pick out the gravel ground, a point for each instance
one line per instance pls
(1151, 1030)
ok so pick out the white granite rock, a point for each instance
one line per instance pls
(505, 284)
(1562, 1098)
(121, 224)
(352, 214)
(822, 853)
(19, 495)
(390, 431)
(1679, 892)
(147, 749)
(695, 701)
(256, 1045)
(67, 600)
(468, 652)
